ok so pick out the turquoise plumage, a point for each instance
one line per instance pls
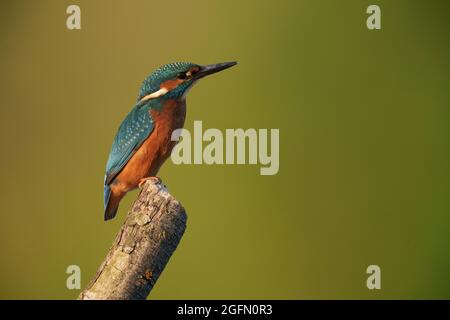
(133, 131)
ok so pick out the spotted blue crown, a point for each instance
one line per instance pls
(169, 71)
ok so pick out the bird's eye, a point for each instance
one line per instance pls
(181, 76)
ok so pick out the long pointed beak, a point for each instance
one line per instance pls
(213, 68)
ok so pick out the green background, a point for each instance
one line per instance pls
(364, 145)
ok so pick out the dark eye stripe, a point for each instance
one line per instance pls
(182, 76)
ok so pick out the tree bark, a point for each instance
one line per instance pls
(147, 239)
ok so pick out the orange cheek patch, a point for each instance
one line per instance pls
(193, 71)
(170, 84)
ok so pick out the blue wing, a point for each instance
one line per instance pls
(133, 131)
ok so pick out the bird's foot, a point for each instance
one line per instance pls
(155, 180)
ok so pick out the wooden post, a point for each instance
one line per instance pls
(145, 242)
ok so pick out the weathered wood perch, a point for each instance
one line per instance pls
(147, 239)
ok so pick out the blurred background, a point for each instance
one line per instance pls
(364, 145)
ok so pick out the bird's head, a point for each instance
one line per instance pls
(173, 80)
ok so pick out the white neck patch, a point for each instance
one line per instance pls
(155, 94)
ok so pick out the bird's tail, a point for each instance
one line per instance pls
(110, 205)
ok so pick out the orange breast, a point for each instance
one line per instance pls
(156, 149)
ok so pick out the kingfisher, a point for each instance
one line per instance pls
(143, 141)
